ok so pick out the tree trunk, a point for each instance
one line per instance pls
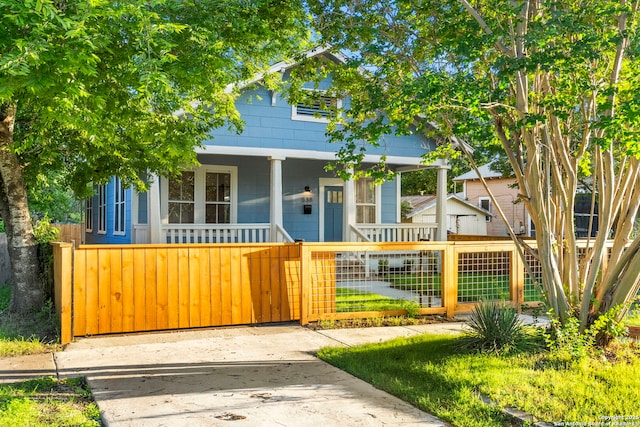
(27, 292)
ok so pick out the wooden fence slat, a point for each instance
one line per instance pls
(226, 302)
(216, 287)
(139, 290)
(262, 286)
(127, 291)
(247, 303)
(80, 283)
(151, 291)
(104, 291)
(173, 289)
(183, 287)
(194, 287)
(205, 287)
(162, 297)
(278, 282)
(115, 288)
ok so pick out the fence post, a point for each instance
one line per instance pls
(62, 276)
(305, 282)
(516, 279)
(449, 278)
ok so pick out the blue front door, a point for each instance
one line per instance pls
(333, 214)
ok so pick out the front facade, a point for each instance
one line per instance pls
(267, 183)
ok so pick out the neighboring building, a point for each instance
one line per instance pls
(462, 217)
(505, 192)
(268, 183)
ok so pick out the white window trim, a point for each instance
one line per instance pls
(102, 209)
(308, 118)
(199, 183)
(88, 215)
(117, 187)
(378, 205)
(480, 200)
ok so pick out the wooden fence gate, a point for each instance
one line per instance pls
(103, 289)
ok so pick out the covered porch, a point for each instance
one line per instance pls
(283, 196)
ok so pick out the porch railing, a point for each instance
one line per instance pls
(414, 232)
(282, 235)
(216, 233)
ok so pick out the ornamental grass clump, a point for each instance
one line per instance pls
(495, 327)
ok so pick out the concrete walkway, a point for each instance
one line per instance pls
(253, 376)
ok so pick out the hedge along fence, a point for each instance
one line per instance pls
(104, 289)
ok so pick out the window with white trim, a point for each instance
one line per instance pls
(485, 203)
(206, 195)
(365, 201)
(102, 209)
(182, 198)
(217, 198)
(118, 208)
(321, 108)
(88, 215)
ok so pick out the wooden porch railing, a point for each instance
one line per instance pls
(216, 233)
(414, 232)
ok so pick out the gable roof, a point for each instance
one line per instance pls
(425, 202)
(485, 172)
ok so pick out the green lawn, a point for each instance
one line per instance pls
(432, 373)
(472, 287)
(349, 300)
(37, 333)
(48, 402)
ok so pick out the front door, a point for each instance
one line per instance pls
(333, 214)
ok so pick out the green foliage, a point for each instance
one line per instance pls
(98, 84)
(495, 327)
(568, 343)
(44, 232)
(552, 86)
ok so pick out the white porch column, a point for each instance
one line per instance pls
(348, 208)
(441, 201)
(275, 196)
(155, 230)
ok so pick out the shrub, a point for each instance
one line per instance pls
(495, 327)
(567, 343)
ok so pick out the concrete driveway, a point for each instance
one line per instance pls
(245, 376)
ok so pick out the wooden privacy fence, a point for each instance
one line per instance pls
(104, 289)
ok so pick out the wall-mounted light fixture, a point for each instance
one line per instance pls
(307, 197)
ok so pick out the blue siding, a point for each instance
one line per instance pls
(268, 126)
(389, 201)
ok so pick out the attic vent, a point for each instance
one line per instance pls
(322, 109)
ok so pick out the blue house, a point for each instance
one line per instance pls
(267, 184)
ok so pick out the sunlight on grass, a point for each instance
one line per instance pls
(431, 373)
(48, 402)
(20, 335)
(349, 300)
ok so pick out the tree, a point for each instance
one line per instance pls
(555, 83)
(100, 88)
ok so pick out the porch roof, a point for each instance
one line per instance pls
(283, 153)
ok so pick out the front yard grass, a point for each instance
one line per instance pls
(349, 300)
(432, 373)
(19, 335)
(48, 402)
